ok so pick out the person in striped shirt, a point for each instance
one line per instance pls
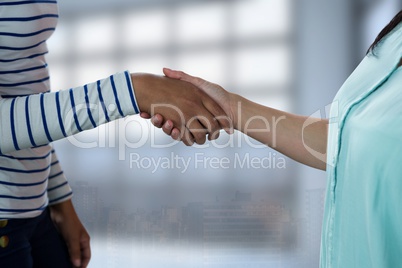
(34, 193)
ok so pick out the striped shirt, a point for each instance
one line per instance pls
(32, 117)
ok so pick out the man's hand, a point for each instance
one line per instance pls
(190, 110)
(71, 229)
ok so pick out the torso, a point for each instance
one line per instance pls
(24, 28)
(361, 223)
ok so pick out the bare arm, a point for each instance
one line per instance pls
(290, 134)
(301, 138)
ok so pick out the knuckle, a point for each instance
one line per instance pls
(200, 138)
(198, 80)
(215, 134)
(186, 142)
(166, 131)
(215, 125)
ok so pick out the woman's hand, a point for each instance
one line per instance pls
(74, 233)
(216, 92)
(222, 97)
(189, 109)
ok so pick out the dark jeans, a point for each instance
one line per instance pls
(33, 242)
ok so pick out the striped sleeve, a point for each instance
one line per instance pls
(58, 189)
(38, 119)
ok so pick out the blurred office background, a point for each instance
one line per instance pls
(236, 204)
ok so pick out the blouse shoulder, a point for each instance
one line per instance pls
(391, 43)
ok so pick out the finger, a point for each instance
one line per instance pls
(85, 251)
(167, 127)
(157, 120)
(196, 81)
(175, 134)
(214, 135)
(209, 123)
(74, 250)
(197, 130)
(183, 135)
(145, 115)
(187, 138)
(172, 74)
(224, 121)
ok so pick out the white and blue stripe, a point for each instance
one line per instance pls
(31, 117)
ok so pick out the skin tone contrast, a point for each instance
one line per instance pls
(287, 133)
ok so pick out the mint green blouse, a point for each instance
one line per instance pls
(363, 208)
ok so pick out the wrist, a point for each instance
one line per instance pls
(140, 85)
(61, 211)
(235, 102)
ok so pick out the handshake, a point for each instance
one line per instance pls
(187, 108)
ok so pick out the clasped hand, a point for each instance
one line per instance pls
(192, 114)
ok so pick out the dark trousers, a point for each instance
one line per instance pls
(33, 242)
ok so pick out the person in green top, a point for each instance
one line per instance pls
(359, 146)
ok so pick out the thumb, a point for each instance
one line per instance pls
(172, 74)
(196, 81)
(145, 115)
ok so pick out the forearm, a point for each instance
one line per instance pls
(63, 211)
(65, 207)
(298, 137)
(42, 118)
